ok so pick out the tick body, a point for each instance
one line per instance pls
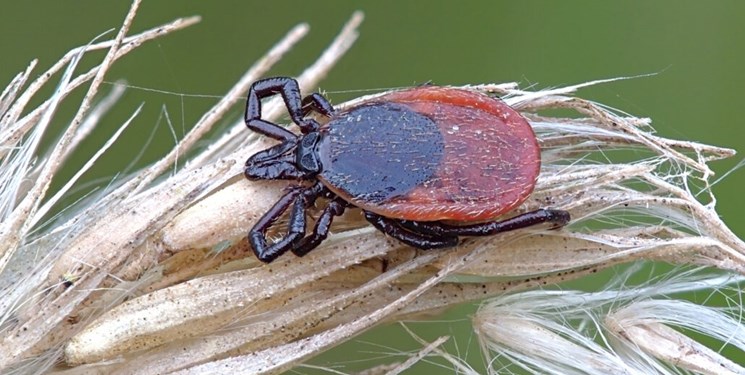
(426, 165)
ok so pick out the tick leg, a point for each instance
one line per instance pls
(282, 168)
(295, 229)
(417, 239)
(335, 208)
(557, 218)
(271, 164)
(290, 92)
(270, 129)
(271, 153)
(317, 102)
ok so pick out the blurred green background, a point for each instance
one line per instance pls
(696, 48)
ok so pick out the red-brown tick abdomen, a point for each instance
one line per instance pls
(431, 153)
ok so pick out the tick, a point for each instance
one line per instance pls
(425, 165)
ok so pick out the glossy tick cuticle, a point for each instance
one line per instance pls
(426, 165)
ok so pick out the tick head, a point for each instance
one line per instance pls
(294, 159)
(307, 154)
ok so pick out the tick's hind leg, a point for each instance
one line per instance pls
(418, 239)
(557, 218)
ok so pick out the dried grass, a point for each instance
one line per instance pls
(154, 275)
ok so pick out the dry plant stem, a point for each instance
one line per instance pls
(16, 214)
(94, 117)
(612, 121)
(17, 225)
(727, 253)
(36, 330)
(289, 324)
(436, 291)
(183, 354)
(126, 229)
(594, 355)
(12, 226)
(637, 320)
(122, 330)
(237, 91)
(679, 350)
(716, 247)
(426, 350)
(44, 209)
(645, 324)
(460, 365)
(282, 358)
(226, 103)
(10, 92)
(378, 370)
(706, 214)
(309, 79)
(12, 135)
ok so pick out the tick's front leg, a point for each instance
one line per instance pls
(335, 207)
(295, 229)
(290, 91)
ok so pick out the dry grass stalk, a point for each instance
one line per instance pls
(197, 300)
